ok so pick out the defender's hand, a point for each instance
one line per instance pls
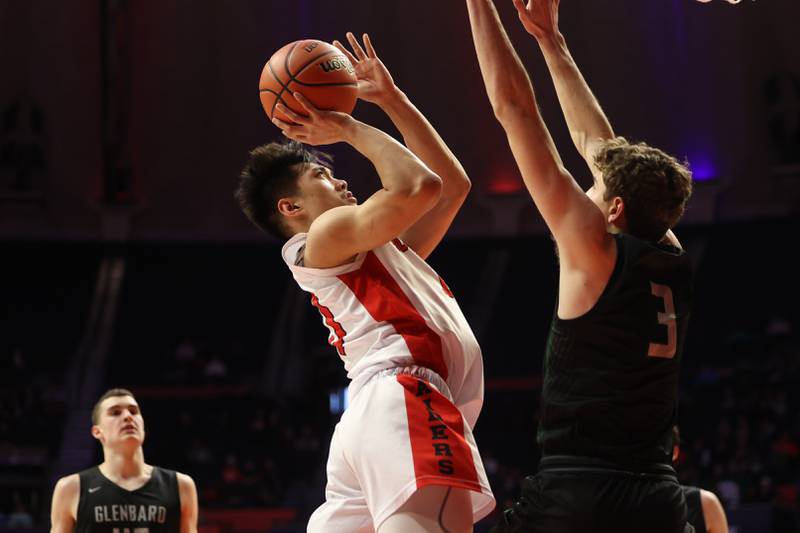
(319, 127)
(540, 17)
(375, 83)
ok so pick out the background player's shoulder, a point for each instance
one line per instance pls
(183, 478)
(710, 502)
(68, 485)
(689, 490)
(165, 477)
(185, 484)
(160, 470)
(66, 496)
(174, 478)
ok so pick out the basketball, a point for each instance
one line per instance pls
(317, 70)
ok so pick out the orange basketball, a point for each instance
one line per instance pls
(317, 70)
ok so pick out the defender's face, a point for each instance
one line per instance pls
(120, 422)
(320, 191)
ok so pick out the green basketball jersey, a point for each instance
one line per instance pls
(611, 375)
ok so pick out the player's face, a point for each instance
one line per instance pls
(120, 421)
(320, 191)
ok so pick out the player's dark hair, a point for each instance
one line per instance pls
(653, 185)
(271, 174)
(108, 394)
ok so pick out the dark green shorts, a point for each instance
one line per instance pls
(580, 495)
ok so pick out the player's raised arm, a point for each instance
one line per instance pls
(568, 212)
(587, 123)
(409, 189)
(376, 85)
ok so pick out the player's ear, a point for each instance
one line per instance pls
(290, 207)
(96, 432)
(616, 211)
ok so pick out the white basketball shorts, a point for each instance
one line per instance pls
(400, 433)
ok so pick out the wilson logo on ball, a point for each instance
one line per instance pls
(337, 63)
(310, 47)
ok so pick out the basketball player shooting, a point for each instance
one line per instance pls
(612, 358)
(402, 458)
(123, 493)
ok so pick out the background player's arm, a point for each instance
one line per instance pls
(588, 125)
(64, 508)
(577, 224)
(188, 494)
(713, 513)
(376, 85)
(409, 190)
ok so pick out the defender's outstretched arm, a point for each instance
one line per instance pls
(588, 125)
(568, 212)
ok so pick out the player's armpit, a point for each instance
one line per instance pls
(188, 495)
(342, 232)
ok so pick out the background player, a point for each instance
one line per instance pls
(123, 493)
(705, 511)
(611, 366)
(402, 457)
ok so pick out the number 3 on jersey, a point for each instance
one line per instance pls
(667, 318)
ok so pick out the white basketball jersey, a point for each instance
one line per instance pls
(389, 308)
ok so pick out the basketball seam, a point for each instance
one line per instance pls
(279, 96)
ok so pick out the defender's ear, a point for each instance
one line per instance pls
(616, 212)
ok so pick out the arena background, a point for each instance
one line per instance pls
(125, 262)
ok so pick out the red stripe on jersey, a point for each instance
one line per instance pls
(337, 339)
(385, 301)
(400, 245)
(436, 431)
(447, 290)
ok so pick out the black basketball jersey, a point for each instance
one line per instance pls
(104, 506)
(611, 375)
(695, 506)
